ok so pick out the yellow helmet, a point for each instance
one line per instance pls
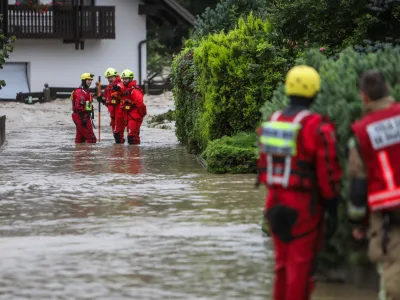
(127, 74)
(303, 81)
(110, 72)
(86, 76)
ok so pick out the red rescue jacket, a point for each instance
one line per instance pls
(378, 134)
(315, 164)
(112, 97)
(132, 101)
(81, 100)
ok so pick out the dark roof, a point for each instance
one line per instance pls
(166, 12)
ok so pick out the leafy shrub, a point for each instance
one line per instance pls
(232, 154)
(340, 100)
(235, 73)
(6, 48)
(187, 105)
(221, 82)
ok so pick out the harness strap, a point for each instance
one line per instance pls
(288, 159)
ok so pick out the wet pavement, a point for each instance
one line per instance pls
(112, 221)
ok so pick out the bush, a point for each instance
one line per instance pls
(248, 69)
(220, 85)
(187, 105)
(235, 154)
(237, 71)
(340, 100)
(6, 48)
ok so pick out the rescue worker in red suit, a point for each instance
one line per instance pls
(133, 106)
(298, 164)
(112, 96)
(373, 173)
(82, 107)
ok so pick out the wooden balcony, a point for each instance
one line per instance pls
(69, 24)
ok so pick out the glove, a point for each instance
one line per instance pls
(100, 99)
(116, 88)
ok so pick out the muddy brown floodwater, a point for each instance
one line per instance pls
(112, 221)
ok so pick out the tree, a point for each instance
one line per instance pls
(6, 48)
(388, 14)
(225, 15)
(197, 7)
(335, 24)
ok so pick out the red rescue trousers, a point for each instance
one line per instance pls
(84, 129)
(117, 121)
(295, 261)
(133, 123)
(295, 266)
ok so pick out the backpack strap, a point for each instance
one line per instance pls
(288, 158)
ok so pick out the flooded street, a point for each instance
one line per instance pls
(110, 221)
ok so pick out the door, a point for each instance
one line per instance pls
(16, 78)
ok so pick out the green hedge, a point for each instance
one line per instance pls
(236, 154)
(340, 100)
(187, 105)
(221, 82)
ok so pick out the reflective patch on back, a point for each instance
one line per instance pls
(384, 133)
(279, 138)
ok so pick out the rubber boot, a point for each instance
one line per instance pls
(131, 140)
(117, 138)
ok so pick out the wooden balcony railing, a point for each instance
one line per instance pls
(87, 22)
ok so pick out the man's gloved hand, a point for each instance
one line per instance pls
(100, 99)
(116, 88)
(84, 121)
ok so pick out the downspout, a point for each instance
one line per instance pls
(140, 60)
(27, 76)
(81, 27)
(76, 22)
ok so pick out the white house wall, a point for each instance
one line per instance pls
(58, 64)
